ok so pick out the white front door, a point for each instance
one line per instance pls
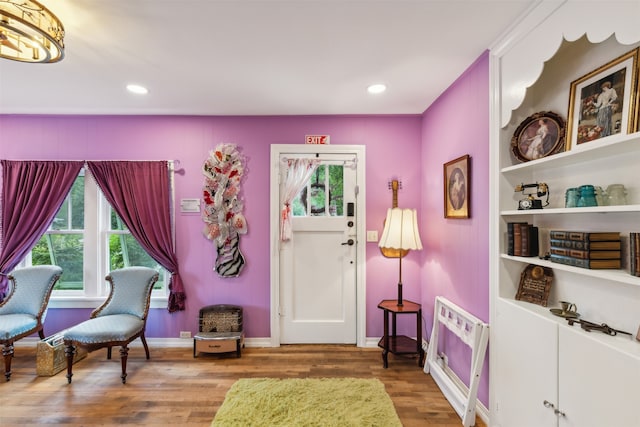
(318, 267)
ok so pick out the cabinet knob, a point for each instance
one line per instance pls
(558, 412)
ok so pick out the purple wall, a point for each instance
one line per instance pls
(391, 143)
(456, 251)
(454, 262)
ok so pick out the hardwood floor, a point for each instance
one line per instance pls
(173, 388)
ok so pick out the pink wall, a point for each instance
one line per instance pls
(454, 262)
(456, 251)
(391, 146)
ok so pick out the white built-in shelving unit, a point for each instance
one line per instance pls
(543, 371)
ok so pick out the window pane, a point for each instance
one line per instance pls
(77, 203)
(125, 251)
(297, 207)
(61, 220)
(64, 250)
(115, 221)
(71, 213)
(336, 190)
(318, 199)
(317, 190)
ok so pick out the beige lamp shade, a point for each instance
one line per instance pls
(401, 230)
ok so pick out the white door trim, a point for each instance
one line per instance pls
(274, 212)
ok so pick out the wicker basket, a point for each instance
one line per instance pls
(50, 357)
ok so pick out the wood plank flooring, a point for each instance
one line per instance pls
(173, 388)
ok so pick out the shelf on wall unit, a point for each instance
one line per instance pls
(555, 211)
(616, 275)
(616, 144)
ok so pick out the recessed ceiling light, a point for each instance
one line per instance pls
(377, 88)
(137, 89)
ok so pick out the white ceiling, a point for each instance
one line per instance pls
(255, 57)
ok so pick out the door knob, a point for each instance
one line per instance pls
(349, 242)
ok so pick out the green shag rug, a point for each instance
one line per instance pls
(307, 402)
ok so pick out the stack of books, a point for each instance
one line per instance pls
(586, 250)
(522, 239)
(634, 254)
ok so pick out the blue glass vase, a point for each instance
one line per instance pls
(587, 196)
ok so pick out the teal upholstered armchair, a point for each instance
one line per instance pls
(23, 312)
(117, 322)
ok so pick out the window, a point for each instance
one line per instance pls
(124, 250)
(315, 200)
(63, 243)
(88, 239)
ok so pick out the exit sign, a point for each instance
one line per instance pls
(316, 139)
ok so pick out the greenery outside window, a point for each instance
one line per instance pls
(323, 193)
(88, 240)
(124, 250)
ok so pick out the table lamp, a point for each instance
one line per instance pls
(401, 232)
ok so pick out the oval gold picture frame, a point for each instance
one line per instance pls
(539, 135)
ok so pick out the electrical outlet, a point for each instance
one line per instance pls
(445, 359)
(185, 334)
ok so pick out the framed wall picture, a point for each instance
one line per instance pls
(538, 136)
(604, 102)
(457, 181)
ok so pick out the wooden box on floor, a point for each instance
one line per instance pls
(220, 330)
(50, 357)
(218, 342)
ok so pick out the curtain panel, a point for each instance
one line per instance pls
(139, 192)
(298, 172)
(32, 193)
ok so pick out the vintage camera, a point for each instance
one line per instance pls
(531, 191)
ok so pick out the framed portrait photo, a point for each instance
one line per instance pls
(538, 136)
(457, 180)
(604, 102)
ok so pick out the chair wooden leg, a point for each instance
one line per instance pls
(124, 352)
(109, 352)
(144, 343)
(69, 351)
(7, 353)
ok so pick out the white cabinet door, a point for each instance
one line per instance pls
(525, 369)
(598, 383)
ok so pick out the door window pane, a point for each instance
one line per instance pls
(336, 190)
(315, 200)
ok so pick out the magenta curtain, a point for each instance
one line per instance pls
(32, 193)
(139, 192)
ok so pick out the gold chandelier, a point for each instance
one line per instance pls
(29, 32)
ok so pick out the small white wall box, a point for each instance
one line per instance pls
(190, 205)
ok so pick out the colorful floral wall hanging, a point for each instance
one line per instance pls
(222, 214)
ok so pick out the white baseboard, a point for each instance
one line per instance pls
(481, 410)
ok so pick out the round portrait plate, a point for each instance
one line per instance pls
(538, 136)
